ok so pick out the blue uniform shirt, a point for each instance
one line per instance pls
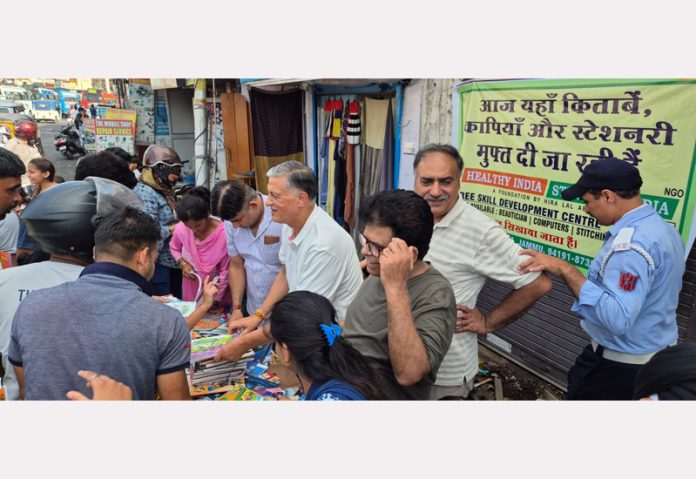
(632, 309)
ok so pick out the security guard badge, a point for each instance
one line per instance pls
(627, 281)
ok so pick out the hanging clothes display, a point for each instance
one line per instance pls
(277, 129)
(356, 136)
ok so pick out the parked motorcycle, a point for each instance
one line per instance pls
(67, 142)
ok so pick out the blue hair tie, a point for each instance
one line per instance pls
(331, 332)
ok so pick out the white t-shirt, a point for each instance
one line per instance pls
(15, 284)
(468, 247)
(9, 232)
(322, 259)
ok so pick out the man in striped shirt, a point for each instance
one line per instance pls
(253, 243)
(468, 247)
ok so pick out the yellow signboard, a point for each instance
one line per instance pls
(524, 142)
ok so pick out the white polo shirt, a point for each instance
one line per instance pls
(260, 255)
(468, 247)
(322, 259)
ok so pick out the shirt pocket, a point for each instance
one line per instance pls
(269, 253)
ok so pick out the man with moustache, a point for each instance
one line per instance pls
(468, 248)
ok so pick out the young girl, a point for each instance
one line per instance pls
(309, 341)
(41, 173)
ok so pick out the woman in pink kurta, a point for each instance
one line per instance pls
(199, 245)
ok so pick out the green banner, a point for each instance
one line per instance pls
(524, 142)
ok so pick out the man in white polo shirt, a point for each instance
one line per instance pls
(253, 243)
(317, 254)
(468, 247)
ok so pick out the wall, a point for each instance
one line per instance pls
(436, 111)
(410, 131)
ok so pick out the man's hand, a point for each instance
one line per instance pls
(395, 263)
(231, 351)
(541, 262)
(247, 324)
(186, 269)
(235, 315)
(470, 320)
(104, 388)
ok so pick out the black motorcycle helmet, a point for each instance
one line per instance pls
(63, 219)
(163, 161)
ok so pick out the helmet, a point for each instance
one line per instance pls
(26, 129)
(160, 154)
(63, 219)
(163, 161)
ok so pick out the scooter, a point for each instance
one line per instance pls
(67, 142)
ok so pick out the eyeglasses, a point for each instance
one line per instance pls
(375, 250)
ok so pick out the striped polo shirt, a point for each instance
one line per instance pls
(468, 247)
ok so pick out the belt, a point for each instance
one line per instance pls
(626, 358)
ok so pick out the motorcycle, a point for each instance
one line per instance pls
(67, 142)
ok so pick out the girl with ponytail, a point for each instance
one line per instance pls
(308, 340)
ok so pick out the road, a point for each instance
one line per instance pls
(64, 168)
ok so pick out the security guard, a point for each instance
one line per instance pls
(629, 299)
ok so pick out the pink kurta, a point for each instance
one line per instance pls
(208, 258)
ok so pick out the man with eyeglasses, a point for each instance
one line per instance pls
(317, 254)
(404, 313)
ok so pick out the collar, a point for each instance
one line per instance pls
(631, 217)
(297, 239)
(119, 271)
(452, 214)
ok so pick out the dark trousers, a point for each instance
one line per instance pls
(596, 378)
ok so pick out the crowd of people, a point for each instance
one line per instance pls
(83, 315)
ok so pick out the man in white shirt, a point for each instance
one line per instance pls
(317, 254)
(253, 243)
(468, 247)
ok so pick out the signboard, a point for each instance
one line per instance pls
(120, 114)
(524, 142)
(104, 133)
(163, 83)
(141, 98)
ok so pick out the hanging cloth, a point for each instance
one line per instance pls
(349, 208)
(327, 118)
(386, 179)
(353, 130)
(375, 122)
(337, 119)
(330, 196)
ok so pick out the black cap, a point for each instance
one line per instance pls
(607, 174)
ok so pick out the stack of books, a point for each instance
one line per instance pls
(207, 375)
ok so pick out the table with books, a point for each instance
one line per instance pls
(256, 376)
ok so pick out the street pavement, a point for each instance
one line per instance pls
(64, 167)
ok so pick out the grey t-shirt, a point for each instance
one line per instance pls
(99, 323)
(434, 314)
